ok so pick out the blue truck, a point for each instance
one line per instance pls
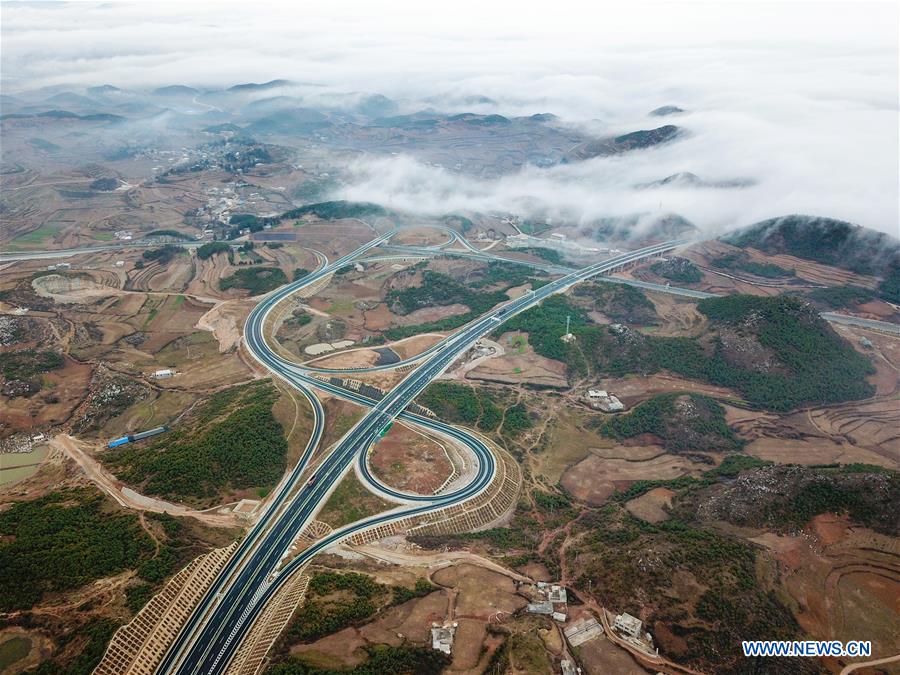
(139, 436)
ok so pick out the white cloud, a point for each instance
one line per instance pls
(802, 97)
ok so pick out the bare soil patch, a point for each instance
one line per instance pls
(844, 581)
(520, 365)
(408, 460)
(482, 593)
(61, 392)
(415, 345)
(651, 506)
(602, 657)
(594, 478)
(226, 321)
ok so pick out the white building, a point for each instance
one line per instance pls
(628, 625)
(557, 594)
(442, 636)
(163, 374)
(545, 607)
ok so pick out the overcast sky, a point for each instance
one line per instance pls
(802, 97)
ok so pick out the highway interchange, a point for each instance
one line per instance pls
(209, 639)
(258, 568)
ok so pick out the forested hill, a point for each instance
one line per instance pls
(776, 352)
(824, 240)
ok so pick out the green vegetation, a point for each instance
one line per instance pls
(835, 297)
(472, 406)
(438, 326)
(299, 273)
(12, 651)
(454, 220)
(684, 423)
(163, 255)
(680, 270)
(889, 288)
(257, 280)
(403, 594)
(95, 635)
(105, 184)
(736, 605)
(810, 362)
(350, 502)
(137, 596)
(546, 324)
(175, 234)
(738, 260)
(823, 367)
(867, 495)
(246, 220)
(38, 235)
(335, 601)
(548, 254)
(824, 240)
(515, 420)
(620, 302)
(402, 660)
(335, 210)
(62, 541)
(767, 270)
(207, 251)
(461, 403)
(733, 465)
(27, 363)
(440, 289)
(232, 442)
(508, 274)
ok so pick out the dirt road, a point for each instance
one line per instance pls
(127, 497)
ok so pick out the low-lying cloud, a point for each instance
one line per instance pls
(801, 97)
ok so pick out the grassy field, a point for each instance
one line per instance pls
(350, 502)
(36, 237)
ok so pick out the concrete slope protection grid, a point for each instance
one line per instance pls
(210, 638)
(249, 544)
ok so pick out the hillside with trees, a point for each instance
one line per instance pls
(828, 241)
(232, 442)
(682, 422)
(775, 351)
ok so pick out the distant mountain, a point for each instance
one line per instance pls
(271, 104)
(636, 140)
(419, 119)
(543, 117)
(375, 105)
(102, 89)
(69, 99)
(64, 115)
(253, 86)
(662, 111)
(219, 128)
(686, 179)
(292, 121)
(176, 90)
(642, 226)
(479, 100)
(480, 120)
(824, 240)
